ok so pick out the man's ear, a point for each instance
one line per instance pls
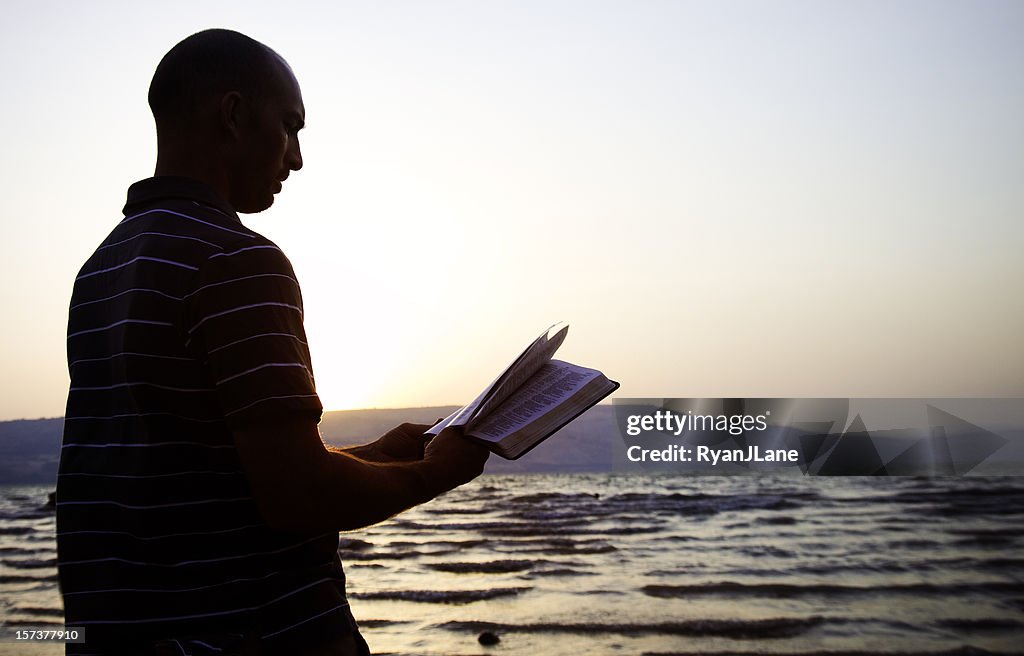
(232, 114)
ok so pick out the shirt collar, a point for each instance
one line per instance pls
(152, 190)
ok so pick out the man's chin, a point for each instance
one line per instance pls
(256, 207)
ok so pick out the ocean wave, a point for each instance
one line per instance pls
(383, 555)
(40, 513)
(440, 596)
(506, 566)
(781, 520)
(628, 530)
(448, 544)
(37, 611)
(912, 543)
(795, 590)
(24, 578)
(1007, 531)
(643, 506)
(980, 624)
(377, 624)
(16, 530)
(458, 511)
(986, 540)
(490, 567)
(559, 498)
(705, 504)
(782, 627)
(353, 544)
(491, 527)
(29, 563)
(1000, 494)
(965, 650)
(9, 623)
(580, 525)
(554, 573)
(22, 551)
(762, 550)
(560, 547)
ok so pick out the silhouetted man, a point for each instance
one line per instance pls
(197, 507)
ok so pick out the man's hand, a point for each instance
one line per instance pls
(400, 444)
(453, 460)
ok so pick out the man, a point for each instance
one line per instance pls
(197, 507)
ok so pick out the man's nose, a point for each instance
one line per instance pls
(294, 156)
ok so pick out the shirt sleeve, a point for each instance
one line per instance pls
(243, 320)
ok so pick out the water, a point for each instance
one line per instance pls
(602, 564)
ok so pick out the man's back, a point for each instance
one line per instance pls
(184, 326)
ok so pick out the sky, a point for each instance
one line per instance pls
(722, 198)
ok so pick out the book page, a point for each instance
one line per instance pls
(552, 385)
(529, 361)
(520, 371)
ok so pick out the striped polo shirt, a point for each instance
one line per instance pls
(184, 325)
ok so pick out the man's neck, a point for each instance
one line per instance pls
(181, 159)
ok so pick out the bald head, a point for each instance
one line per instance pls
(205, 66)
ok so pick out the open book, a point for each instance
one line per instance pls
(533, 398)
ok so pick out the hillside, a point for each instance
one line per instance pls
(30, 448)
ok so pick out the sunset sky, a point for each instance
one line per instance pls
(721, 198)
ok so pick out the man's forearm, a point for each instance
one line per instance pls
(355, 492)
(299, 485)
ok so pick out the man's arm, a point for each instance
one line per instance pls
(299, 485)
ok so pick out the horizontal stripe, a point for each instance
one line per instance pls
(263, 366)
(169, 388)
(234, 611)
(147, 538)
(140, 258)
(120, 323)
(270, 398)
(246, 339)
(244, 307)
(154, 506)
(175, 415)
(127, 291)
(134, 354)
(248, 579)
(247, 248)
(148, 476)
(309, 619)
(228, 282)
(156, 234)
(215, 209)
(186, 216)
(191, 562)
(149, 444)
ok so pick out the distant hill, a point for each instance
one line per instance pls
(30, 448)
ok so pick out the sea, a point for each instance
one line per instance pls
(629, 564)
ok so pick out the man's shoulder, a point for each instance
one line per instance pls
(184, 237)
(255, 254)
(190, 218)
(185, 207)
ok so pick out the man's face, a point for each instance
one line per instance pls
(269, 146)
